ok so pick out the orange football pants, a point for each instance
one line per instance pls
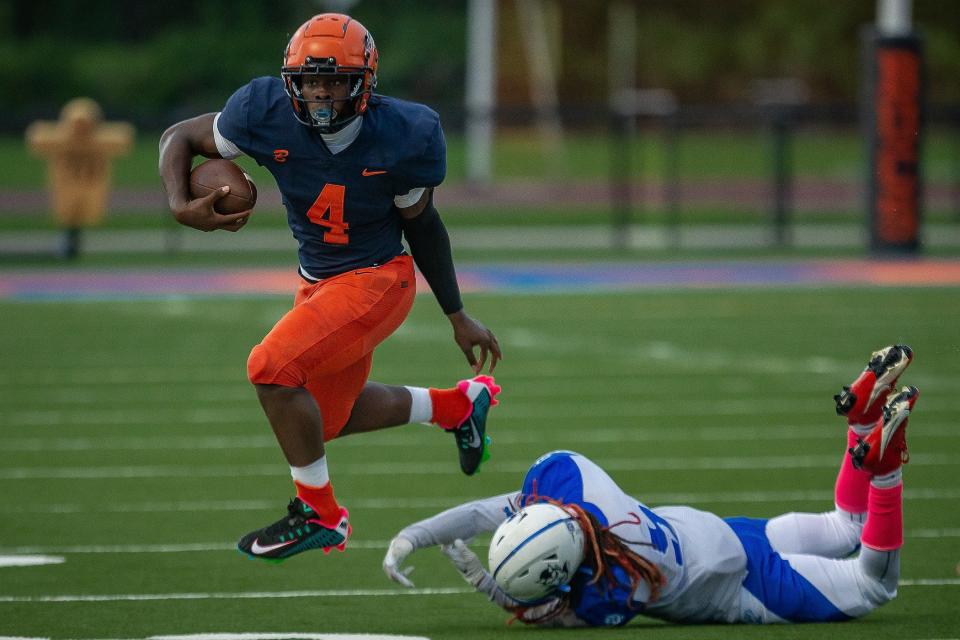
(326, 341)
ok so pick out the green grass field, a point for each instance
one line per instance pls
(132, 446)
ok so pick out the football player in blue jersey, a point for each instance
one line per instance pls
(356, 171)
(573, 549)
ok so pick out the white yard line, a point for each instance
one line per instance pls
(318, 593)
(141, 548)
(445, 502)
(710, 463)
(29, 561)
(286, 636)
(531, 408)
(263, 636)
(241, 595)
(205, 547)
(420, 436)
(669, 359)
(561, 411)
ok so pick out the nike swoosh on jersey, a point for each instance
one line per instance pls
(367, 173)
(257, 549)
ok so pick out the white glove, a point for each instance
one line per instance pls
(397, 552)
(466, 562)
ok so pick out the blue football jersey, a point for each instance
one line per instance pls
(339, 207)
(569, 477)
(701, 558)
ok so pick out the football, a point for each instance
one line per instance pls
(212, 174)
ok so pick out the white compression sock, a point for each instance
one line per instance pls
(313, 475)
(862, 429)
(421, 406)
(888, 481)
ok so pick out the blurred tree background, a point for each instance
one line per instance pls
(154, 63)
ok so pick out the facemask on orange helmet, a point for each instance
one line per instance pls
(330, 44)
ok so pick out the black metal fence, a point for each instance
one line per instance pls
(633, 200)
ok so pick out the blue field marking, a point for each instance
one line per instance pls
(529, 278)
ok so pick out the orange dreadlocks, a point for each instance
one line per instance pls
(606, 547)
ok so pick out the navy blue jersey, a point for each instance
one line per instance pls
(339, 207)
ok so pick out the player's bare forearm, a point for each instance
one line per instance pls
(178, 146)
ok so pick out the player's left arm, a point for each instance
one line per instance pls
(430, 246)
(179, 144)
(462, 522)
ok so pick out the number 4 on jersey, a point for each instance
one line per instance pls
(327, 211)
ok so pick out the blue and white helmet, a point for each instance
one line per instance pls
(536, 551)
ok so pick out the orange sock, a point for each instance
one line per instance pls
(321, 500)
(450, 407)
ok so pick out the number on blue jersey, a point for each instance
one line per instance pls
(659, 534)
(327, 211)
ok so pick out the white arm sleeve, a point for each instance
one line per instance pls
(227, 149)
(466, 521)
(409, 199)
(463, 522)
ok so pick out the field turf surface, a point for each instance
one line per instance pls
(132, 446)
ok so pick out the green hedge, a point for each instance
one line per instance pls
(184, 56)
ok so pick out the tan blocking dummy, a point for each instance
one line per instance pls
(79, 148)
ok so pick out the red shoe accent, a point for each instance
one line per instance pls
(343, 519)
(862, 402)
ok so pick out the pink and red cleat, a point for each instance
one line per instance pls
(862, 402)
(884, 449)
(872, 399)
(471, 432)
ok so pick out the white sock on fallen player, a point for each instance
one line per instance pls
(421, 406)
(862, 430)
(888, 481)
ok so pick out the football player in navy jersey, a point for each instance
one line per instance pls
(356, 171)
(571, 548)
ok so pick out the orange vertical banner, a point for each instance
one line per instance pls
(893, 114)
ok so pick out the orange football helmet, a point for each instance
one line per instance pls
(330, 43)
